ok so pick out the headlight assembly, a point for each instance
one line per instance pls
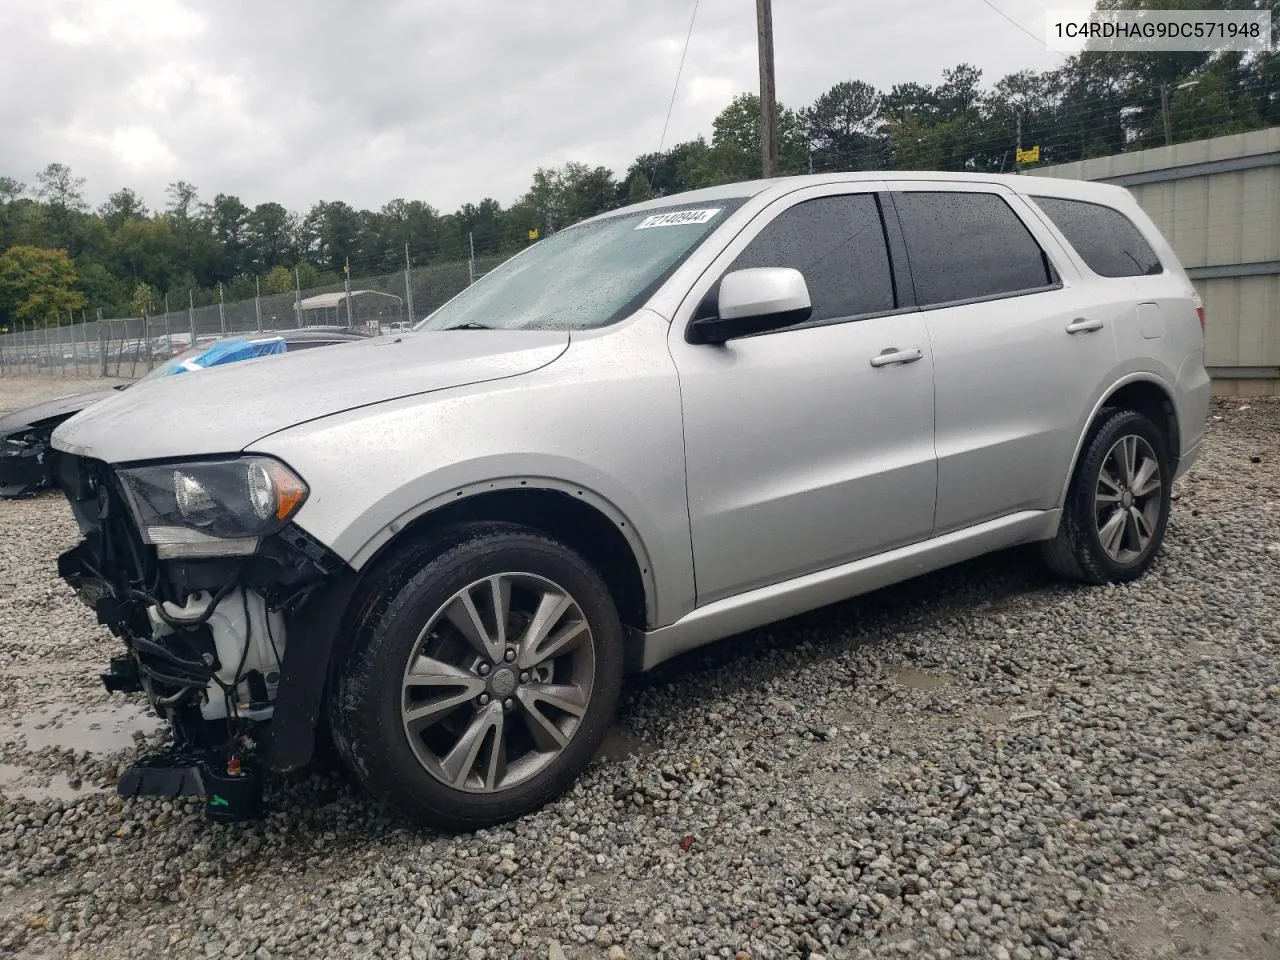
(212, 508)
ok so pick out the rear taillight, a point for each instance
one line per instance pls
(1200, 314)
(1195, 298)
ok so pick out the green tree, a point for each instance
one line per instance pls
(279, 279)
(736, 153)
(842, 128)
(62, 193)
(640, 189)
(228, 220)
(103, 290)
(145, 251)
(37, 284)
(142, 300)
(330, 235)
(270, 238)
(122, 205)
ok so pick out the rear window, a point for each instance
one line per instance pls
(1105, 238)
(969, 246)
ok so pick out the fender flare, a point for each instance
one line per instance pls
(387, 534)
(1135, 377)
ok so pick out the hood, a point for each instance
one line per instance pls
(50, 412)
(226, 408)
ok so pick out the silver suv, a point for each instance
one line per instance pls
(439, 551)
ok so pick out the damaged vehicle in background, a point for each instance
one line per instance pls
(25, 462)
(439, 550)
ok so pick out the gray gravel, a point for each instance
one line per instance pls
(981, 763)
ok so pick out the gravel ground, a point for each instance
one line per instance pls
(980, 763)
(17, 392)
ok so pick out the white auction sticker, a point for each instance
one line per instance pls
(678, 218)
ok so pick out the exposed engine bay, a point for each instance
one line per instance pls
(206, 640)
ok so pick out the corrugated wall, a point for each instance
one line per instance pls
(1218, 203)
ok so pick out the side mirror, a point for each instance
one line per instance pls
(755, 300)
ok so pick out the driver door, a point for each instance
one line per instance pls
(801, 454)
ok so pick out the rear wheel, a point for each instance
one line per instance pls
(485, 673)
(1117, 508)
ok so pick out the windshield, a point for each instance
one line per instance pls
(585, 276)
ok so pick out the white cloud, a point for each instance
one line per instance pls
(124, 22)
(142, 149)
(366, 100)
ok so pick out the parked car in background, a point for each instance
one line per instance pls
(662, 426)
(24, 434)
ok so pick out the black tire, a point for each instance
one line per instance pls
(398, 600)
(1077, 552)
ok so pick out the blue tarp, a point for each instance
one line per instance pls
(229, 351)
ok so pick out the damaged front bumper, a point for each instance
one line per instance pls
(233, 652)
(23, 465)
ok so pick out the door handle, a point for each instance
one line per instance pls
(891, 355)
(1081, 325)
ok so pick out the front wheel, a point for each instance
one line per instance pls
(485, 673)
(1117, 508)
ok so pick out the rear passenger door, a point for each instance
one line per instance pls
(1021, 347)
(809, 446)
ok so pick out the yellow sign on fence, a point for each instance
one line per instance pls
(533, 234)
(1030, 155)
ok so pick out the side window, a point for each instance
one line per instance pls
(838, 243)
(965, 246)
(1105, 238)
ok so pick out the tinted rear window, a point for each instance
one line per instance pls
(1105, 238)
(969, 246)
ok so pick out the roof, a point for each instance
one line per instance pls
(323, 301)
(783, 185)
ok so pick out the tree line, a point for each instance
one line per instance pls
(61, 257)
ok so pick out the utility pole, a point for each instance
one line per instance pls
(1164, 114)
(297, 297)
(1017, 162)
(408, 283)
(346, 283)
(257, 301)
(471, 258)
(191, 316)
(768, 98)
(222, 313)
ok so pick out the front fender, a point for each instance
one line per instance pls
(602, 423)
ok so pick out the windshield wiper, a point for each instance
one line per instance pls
(469, 326)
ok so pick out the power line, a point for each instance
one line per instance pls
(679, 70)
(1020, 26)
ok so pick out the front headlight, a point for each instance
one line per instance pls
(213, 508)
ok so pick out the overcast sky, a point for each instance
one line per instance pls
(439, 100)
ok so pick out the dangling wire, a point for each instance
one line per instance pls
(679, 70)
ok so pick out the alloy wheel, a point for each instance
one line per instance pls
(1128, 499)
(498, 682)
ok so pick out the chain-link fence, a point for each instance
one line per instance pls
(130, 347)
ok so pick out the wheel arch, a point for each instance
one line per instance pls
(575, 514)
(1143, 392)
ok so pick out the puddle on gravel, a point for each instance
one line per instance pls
(914, 679)
(619, 744)
(31, 785)
(104, 730)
